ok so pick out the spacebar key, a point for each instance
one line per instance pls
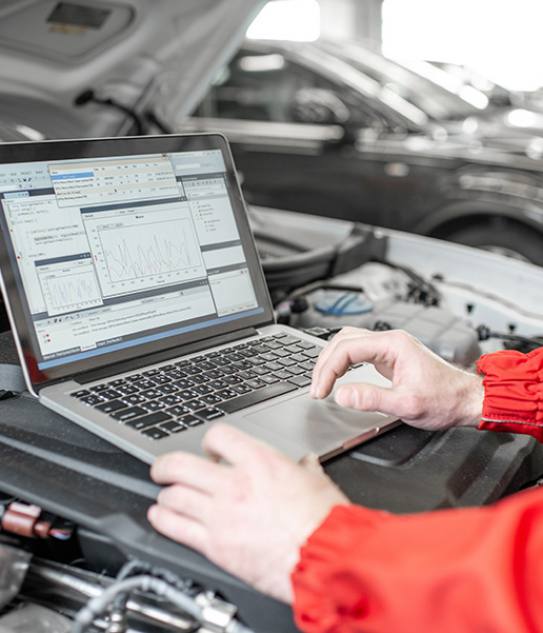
(256, 397)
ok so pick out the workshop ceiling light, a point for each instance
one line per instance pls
(499, 39)
(295, 20)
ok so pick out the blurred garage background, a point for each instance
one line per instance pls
(419, 115)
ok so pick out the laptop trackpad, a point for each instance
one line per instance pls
(317, 426)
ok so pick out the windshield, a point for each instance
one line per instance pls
(436, 101)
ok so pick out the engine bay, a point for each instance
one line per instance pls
(73, 525)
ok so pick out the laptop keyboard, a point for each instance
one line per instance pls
(181, 395)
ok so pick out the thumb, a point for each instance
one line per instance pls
(369, 398)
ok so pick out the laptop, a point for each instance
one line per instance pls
(139, 306)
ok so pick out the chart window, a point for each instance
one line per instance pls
(115, 252)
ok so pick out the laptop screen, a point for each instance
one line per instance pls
(116, 252)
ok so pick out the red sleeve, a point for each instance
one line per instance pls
(452, 571)
(513, 385)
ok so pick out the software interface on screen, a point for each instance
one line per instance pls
(116, 252)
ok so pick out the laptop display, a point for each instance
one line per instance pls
(111, 253)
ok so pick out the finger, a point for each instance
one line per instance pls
(188, 470)
(189, 502)
(371, 398)
(311, 463)
(179, 528)
(350, 334)
(374, 349)
(234, 446)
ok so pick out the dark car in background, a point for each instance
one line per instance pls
(315, 131)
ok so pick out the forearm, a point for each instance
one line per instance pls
(460, 570)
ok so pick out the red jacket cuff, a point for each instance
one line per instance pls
(513, 385)
(326, 597)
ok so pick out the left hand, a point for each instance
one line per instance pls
(250, 515)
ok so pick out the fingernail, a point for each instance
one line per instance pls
(151, 513)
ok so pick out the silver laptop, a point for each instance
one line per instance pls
(138, 302)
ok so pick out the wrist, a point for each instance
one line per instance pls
(471, 399)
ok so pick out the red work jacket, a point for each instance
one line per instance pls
(455, 571)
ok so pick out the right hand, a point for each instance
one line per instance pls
(426, 391)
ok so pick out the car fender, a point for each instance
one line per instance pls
(434, 223)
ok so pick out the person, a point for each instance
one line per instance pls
(286, 529)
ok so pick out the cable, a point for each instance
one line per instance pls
(98, 605)
(88, 96)
(524, 343)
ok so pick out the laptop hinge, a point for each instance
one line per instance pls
(158, 357)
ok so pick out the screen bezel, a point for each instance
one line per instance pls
(113, 147)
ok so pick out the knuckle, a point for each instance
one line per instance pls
(413, 405)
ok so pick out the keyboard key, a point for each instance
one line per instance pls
(227, 394)
(273, 366)
(153, 406)
(151, 394)
(188, 394)
(92, 400)
(283, 375)
(135, 399)
(156, 434)
(190, 420)
(300, 381)
(176, 374)
(270, 391)
(166, 368)
(214, 374)
(194, 405)
(212, 399)
(218, 385)
(81, 394)
(98, 388)
(134, 377)
(110, 394)
(297, 371)
(293, 349)
(177, 411)
(287, 362)
(173, 427)
(305, 345)
(247, 375)
(260, 371)
(183, 384)
(192, 370)
(171, 400)
(299, 358)
(162, 379)
(151, 372)
(312, 353)
(242, 389)
(233, 380)
(127, 390)
(270, 380)
(128, 414)
(282, 353)
(208, 415)
(255, 383)
(202, 390)
(308, 365)
(205, 365)
(146, 421)
(167, 389)
(117, 382)
(111, 406)
(144, 384)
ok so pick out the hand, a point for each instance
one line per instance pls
(426, 392)
(250, 516)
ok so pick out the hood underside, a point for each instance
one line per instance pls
(144, 53)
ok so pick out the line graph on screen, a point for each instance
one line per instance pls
(146, 250)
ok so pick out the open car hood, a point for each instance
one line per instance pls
(158, 54)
